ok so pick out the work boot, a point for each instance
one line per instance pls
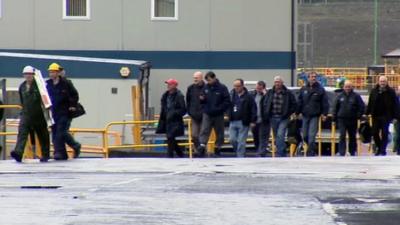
(217, 151)
(60, 156)
(16, 156)
(201, 151)
(179, 153)
(44, 159)
(77, 151)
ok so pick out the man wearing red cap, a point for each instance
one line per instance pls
(173, 109)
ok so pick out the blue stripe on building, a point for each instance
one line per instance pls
(11, 67)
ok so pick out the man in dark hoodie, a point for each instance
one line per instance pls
(195, 108)
(279, 104)
(216, 101)
(312, 104)
(242, 115)
(383, 107)
(347, 109)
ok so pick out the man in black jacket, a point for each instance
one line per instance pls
(171, 117)
(312, 104)
(195, 108)
(347, 109)
(262, 128)
(216, 101)
(242, 115)
(383, 107)
(64, 98)
(279, 104)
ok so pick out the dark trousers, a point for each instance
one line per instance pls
(173, 147)
(347, 126)
(69, 139)
(261, 134)
(216, 122)
(59, 134)
(196, 126)
(396, 137)
(380, 132)
(40, 128)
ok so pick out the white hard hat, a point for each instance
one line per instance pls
(28, 69)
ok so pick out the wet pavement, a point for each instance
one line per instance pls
(295, 191)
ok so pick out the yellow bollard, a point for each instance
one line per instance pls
(333, 139)
(190, 139)
(320, 137)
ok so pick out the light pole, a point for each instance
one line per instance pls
(376, 24)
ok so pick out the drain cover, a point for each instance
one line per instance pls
(40, 187)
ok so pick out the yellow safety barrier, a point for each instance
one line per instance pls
(110, 147)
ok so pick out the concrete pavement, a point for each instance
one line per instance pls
(295, 191)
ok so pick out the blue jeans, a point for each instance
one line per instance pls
(237, 136)
(310, 129)
(279, 127)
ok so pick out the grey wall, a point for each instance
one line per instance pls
(249, 25)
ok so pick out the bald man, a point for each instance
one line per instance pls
(383, 107)
(347, 109)
(195, 109)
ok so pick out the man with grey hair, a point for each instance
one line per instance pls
(279, 104)
(347, 109)
(194, 107)
(383, 107)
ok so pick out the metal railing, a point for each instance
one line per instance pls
(134, 146)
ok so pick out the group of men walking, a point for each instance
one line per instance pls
(262, 110)
(34, 119)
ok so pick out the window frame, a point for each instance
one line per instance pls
(153, 12)
(1, 9)
(88, 10)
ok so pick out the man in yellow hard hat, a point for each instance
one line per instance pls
(64, 98)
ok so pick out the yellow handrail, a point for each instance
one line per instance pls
(108, 147)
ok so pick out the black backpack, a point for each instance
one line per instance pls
(365, 132)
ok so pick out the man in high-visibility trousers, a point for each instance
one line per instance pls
(32, 117)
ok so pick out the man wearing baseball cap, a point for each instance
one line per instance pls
(173, 109)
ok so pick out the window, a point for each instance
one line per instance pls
(76, 9)
(164, 9)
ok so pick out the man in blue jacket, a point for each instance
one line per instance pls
(347, 109)
(242, 115)
(312, 104)
(279, 104)
(216, 101)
